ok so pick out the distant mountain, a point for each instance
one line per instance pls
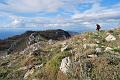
(72, 33)
(19, 42)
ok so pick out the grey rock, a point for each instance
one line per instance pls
(65, 64)
(90, 45)
(110, 38)
(98, 50)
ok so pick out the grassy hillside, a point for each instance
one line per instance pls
(92, 58)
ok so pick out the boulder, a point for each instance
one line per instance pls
(65, 64)
(98, 50)
(89, 46)
(108, 49)
(110, 38)
(23, 68)
(92, 56)
(97, 41)
(50, 41)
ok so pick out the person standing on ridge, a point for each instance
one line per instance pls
(98, 27)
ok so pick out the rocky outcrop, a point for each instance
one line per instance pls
(110, 38)
(86, 56)
(34, 38)
(48, 35)
(30, 49)
(65, 64)
(19, 42)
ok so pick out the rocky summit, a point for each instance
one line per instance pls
(20, 42)
(56, 55)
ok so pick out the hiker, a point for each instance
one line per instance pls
(98, 27)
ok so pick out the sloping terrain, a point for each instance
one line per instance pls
(87, 56)
(19, 42)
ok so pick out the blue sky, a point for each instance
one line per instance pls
(55, 14)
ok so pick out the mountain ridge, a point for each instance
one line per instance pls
(86, 56)
(22, 39)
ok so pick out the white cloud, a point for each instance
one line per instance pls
(98, 12)
(88, 18)
(33, 5)
(107, 17)
(42, 5)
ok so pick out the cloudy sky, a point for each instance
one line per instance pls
(59, 14)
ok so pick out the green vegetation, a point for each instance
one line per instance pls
(104, 66)
(116, 50)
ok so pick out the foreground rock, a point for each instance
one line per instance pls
(110, 38)
(108, 49)
(90, 45)
(98, 50)
(65, 59)
(92, 56)
(65, 64)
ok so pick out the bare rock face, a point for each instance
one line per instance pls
(34, 38)
(48, 35)
(110, 38)
(30, 49)
(65, 64)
